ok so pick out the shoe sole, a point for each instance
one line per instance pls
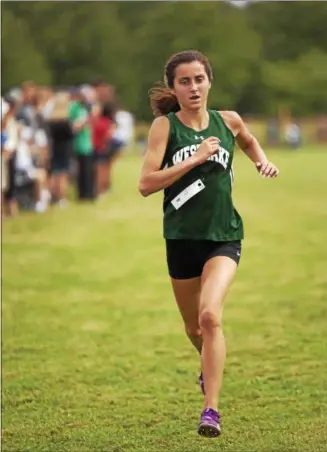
(208, 430)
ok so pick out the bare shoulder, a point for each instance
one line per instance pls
(233, 120)
(160, 124)
(159, 133)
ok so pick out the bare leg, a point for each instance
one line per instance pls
(105, 184)
(63, 185)
(98, 179)
(37, 189)
(187, 295)
(54, 187)
(41, 191)
(111, 164)
(217, 276)
(3, 205)
(13, 208)
(103, 178)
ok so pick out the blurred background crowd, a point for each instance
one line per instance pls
(52, 140)
(269, 61)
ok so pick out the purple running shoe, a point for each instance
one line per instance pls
(209, 423)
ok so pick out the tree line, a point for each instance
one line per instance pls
(266, 56)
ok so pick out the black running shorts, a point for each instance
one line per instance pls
(186, 258)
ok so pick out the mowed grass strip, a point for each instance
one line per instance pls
(94, 355)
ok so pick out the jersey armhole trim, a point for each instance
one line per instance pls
(164, 163)
(227, 127)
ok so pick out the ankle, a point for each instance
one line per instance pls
(211, 406)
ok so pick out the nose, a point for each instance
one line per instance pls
(193, 87)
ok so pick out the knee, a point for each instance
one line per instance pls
(193, 331)
(209, 321)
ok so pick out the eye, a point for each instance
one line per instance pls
(183, 81)
(199, 78)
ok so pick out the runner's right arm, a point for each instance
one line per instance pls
(152, 178)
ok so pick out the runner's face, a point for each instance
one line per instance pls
(191, 85)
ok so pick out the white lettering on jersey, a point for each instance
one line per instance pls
(222, 156)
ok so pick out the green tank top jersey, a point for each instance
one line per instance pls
(209, 214)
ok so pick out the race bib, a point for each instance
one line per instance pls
(188, 193)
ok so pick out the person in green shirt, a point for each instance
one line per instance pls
(79, 117)
(190, 155)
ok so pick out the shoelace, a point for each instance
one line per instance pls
(211, 413)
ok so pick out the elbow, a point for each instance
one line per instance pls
(143, 192)
(144, 189)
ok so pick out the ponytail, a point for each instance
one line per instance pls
(163, 101)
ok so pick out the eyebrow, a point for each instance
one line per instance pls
(187, 76)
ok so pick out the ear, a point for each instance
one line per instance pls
(173, 91)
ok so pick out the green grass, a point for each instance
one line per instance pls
(94, 353)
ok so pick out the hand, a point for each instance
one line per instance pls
(206, 149)
(267, 169)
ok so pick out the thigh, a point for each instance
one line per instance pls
(187, 296)
(40, 174)
(217, 276)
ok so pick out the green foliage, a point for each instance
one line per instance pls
(293, 81)
(289, 29)
(231, 60)
(264, 56)
(20, 58)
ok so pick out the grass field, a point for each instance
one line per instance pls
(94, 354)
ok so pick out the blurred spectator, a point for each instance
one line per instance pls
(293, 135)
(46, 101)
(272, 132)
(28, 175)
(104, 92)
(122, 137)
(89, 97)
(61, 147)
(4, 155)
(124, 132)
(80, 118)
(322, 129)
(40, 132)
(12, 134)
(102, 131)
(45, 132)
(27, 111)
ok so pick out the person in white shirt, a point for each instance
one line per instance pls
(293, 135)
(10, 146)
(124, 132)
(27, 172)
(122, 137)
(4, 154)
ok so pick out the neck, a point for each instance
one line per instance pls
(195, 119)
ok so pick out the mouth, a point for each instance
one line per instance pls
(195, 97)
